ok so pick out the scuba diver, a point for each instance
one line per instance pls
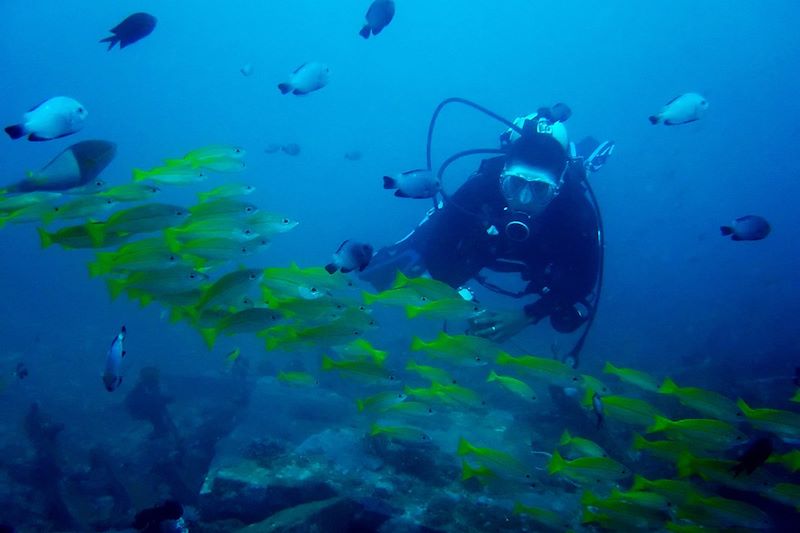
(528, 210)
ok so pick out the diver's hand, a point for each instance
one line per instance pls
(498, 326)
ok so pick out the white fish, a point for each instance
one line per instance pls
(57, 117)
(112, 377)
(681, 110)
(419, 183)
(308, 77)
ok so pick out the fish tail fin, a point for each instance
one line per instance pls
(411, 365)
(654, 119)
(45, 239)
(96, 231)
(467, 472)
(639, 442)
(101, 265)
(365, 31)
(369, 299)
(492, 376)
(586, 401)
(464, 447)
(115, 287)
(660, 424)
(375, 429)
(209, 336)
(588, 499)
(171, 238)
(16, 131)
(744, 408)
(330, 268)
(725, 230)
(401, 280)
(640, 483)
(686, 466)
(565, 438)
(417, 344)
(111, 40)
(556, 464)
(328, 364)
(668, 387)
(140, 175)
(503, 358)
(284, 88)
(609, 368)
(389, 182)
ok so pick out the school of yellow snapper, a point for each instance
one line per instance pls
(187, 260)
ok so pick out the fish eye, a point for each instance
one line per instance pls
(192, 275)
(430, 410)
(252, 277)
(478, 358)
(80, 109)
(314, 289)
(172, 258)
(285, 220)
(527, 476)
(179, 213)
(248, 209)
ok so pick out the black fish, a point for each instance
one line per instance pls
(130, 30)
(747, 228)
(291, 149)
(150, 519)
(379, 15)
(77, 165)
(21, 371)
(753, 457)
(351, 255)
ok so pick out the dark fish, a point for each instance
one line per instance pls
(130, 30)
(272, 148)
(755, 456)
(747, 228)
(21, 371)
(151, 518)
(351, 255)
(353, 155)
(379, 15)
(291, 149)
(75, 166)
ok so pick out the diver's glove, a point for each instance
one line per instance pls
(599, 156)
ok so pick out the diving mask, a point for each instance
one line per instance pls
(527, 189)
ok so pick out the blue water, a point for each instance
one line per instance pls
(678, 299)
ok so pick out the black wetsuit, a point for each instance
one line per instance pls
(559, 260)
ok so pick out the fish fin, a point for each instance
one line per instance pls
(401, 194)
(660, 423)
(609, 368)
(365, 31)
(736, 238)
(101, 265)
(111, 40)
(38, 138)
(565, 438)
(96, 231)
(330, 268)
(140, 175)
(369, 299)
(639, 443)
(45, 239)
(556, 464)
(653, 119)
(115, 287)
(464, 447)
(172, 240)
(492, 376)
(284, 88)
(668, 387)
(209, 336)
(389, 182)
(327, 363)
(639, 483)
(670, 123)
(16, 131)
(345, 270)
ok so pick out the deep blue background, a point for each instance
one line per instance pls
(676, 293)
